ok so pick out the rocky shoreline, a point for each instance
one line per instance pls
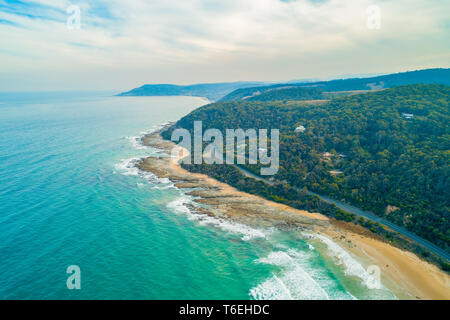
(220, 199)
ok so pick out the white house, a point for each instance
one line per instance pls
(300, 129)
(407, 115)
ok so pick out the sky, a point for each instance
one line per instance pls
(122, 44)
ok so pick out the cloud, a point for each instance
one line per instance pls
(122, 44)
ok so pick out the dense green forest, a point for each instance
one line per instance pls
(428, 76)
(289, 93)
(387, 152)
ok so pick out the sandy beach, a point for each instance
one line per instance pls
(420, 279)
(408, 276)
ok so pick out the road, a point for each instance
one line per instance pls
(368, 215)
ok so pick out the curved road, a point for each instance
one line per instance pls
(368, 215)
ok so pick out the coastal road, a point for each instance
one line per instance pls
(368, 215)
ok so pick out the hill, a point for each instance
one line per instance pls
(288, 91)
(211, 91)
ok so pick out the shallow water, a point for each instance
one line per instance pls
(70, 195)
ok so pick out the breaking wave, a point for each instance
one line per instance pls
(351, 266)
(137, 142)
(293, 283)
(128, 167)
(182, 204)
(297, 280)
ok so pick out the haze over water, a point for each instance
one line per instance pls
(70, 195)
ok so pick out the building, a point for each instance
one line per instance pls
(300, 129)
(407, 115)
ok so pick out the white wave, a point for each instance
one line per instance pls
(137, 141)
(128, 167)
(293, 283)
(181, 205)
(154, 128)
(165, 186)
(351, 266)
(281, 246)
(271, 289)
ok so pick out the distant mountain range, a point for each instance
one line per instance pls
(285, 91)
(235, 91)
(211, 91)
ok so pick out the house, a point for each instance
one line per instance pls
(341, 157)
(300, 129)
(327, 155)
(407, 115)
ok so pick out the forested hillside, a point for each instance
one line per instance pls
(299, 94)
(212, 91)
(289, 93)
(386, 151)
(428, 76)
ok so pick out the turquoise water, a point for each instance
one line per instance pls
(69, 195)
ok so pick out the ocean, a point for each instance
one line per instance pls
(70, 195)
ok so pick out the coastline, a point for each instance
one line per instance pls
(408, 276)
(223, 199)
(420, 279)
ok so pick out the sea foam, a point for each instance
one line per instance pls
(182, 204)
(293, 282)
(137, 141)
(128, 167)
(351, 266)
